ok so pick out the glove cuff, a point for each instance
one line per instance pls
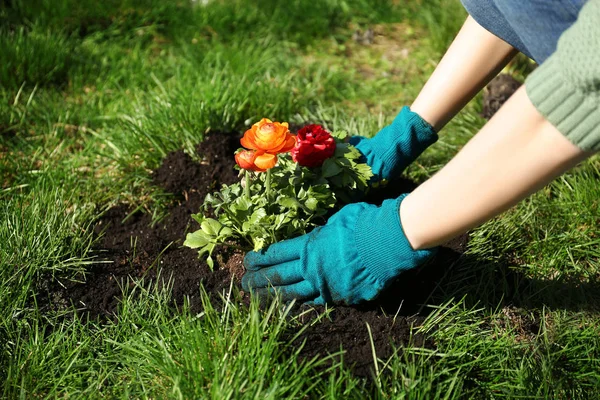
(400, 143)
(382, 246)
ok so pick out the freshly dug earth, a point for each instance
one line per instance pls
(497, 92)
(134, 248)
(138, 249)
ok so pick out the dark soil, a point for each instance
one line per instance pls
(345, 329)
(497, 92)
(135, 248)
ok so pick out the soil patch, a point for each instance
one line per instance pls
(134, 248)
(497, 92)
(355, 333)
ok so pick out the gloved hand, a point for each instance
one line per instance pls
(397, 145)
(357, 254)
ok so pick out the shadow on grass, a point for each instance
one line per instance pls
(454, 274)
(483, 284)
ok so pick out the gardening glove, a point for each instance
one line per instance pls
(351, 259)
(396, 146)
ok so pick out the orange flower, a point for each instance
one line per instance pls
(255, 160)
(265, 139)
(268, 136)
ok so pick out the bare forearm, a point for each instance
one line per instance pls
(516, 153)
(474, 57)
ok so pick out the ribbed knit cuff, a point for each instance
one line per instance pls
(382, 245)
(575, 114)
(410, 136)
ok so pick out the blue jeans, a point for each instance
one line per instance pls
(531, 26)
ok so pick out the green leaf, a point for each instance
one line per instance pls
(259, 243)
(257, 216)
(210, 198)
(207, 249)
(197, 239)
(198, 218)
(211, 263)
(281, 219)
(343, 150)
(242, 203)
(288, 202)
(330, 168)
(345, 163)
(347, 180)
(225, 232)
(312, 204)
(339, 135)
(336, 181)
(211, 226)
(363, 173)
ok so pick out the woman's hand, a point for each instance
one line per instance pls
(351, 259)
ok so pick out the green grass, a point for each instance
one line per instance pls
(94, 94)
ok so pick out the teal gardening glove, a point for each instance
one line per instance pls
(351, 259)
(397, 145)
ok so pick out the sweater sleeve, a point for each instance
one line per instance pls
(565, 89)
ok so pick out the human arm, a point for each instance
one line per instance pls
(472, 60)
(516, 153)
(543, 130)
(474, 57)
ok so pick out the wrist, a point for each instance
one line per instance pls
(428, 114)
(420, 231)
(409, 220)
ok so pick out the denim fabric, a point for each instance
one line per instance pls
(531, 26)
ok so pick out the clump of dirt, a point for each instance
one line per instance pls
(131, 247)
(497, 92)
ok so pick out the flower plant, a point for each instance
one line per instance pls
(290, 184)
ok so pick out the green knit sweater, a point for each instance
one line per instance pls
(566, 87)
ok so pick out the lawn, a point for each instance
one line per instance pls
(102, 101)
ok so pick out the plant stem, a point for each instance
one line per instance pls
(268, 185)
(247, 186)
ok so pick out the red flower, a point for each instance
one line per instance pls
(313, 146)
